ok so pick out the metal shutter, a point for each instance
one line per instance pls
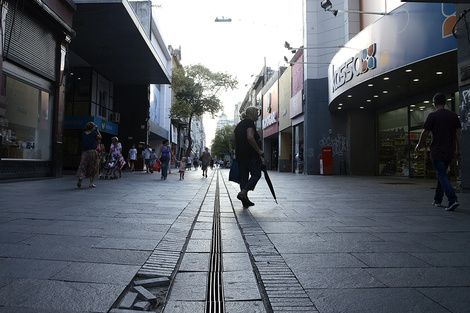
(29, 43)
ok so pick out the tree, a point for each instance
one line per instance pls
(196, 90)
(221, 143)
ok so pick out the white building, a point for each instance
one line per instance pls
(223, 121)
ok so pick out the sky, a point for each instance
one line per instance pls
(240, 48)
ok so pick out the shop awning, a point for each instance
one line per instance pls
(112, 40)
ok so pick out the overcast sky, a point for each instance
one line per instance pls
(257, 33)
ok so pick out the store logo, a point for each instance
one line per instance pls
(270, 120)
(361, 63)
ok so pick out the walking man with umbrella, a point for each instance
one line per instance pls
(248, 153)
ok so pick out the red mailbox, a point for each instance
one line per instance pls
(326, 161)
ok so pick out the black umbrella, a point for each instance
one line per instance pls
(268, 180)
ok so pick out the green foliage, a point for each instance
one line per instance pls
(221, 144)
(196, 90)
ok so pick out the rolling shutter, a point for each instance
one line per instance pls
(29, 43)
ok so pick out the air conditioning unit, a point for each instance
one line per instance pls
(115, 117)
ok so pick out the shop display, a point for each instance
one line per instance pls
(394, 153)
(25, 127)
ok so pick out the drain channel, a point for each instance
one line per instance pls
(215, 287)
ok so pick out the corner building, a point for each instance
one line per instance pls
(379, 84)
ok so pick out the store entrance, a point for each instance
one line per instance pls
(399, 131)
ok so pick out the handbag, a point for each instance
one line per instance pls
(157, 166)
(234, 174)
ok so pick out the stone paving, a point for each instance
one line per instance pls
(332, 244)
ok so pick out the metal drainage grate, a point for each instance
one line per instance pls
(215, 288)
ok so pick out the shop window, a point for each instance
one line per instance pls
(394, 146)
(26, 122)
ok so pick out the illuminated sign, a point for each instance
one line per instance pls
(361, 63)
(270, 120)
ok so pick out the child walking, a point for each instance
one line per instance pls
(182, 167)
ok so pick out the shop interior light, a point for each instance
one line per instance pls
(413, 105)
(340, 104)
(439, 73)
(376, 96)
(409, 70)
(362, 108)
(386, 78)
(368, 100)
(385, 91)
(416, 80)
(371, 85)
(349, 96)
(426, 101)
(339, 108)
(411, 110)
(422, 107)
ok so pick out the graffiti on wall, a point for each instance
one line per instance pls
(338, 143)
(465, 109)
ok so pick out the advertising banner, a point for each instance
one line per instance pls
(79, 122)
(411, 33)
(270, 112)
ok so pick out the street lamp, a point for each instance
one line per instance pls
(294, 50)
(292, 63)
(328, 6)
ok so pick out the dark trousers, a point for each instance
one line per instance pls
(250, 172)
(443, 183)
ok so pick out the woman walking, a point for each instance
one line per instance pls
(116, 153)
(248, 153)
(89, 165)
(165, 156)
(205, 159)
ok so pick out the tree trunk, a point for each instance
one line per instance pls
(190, 139)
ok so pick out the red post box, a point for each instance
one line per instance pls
(326, 161)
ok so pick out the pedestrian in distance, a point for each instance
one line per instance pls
(205, 160)
(188, 163)
(116, 153)
(153, 159)
(445, 127)
(164, 157)
(147, 153)
(248, 153)
(132, 157)
(182, 167)
(89, 166)
(101, 156)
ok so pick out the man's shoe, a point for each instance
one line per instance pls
(436, 204)
(452, 206)
(244, 200)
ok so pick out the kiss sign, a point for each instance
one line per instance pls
(355, 66)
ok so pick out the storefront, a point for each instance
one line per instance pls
(285, 123)
(270, 126)
(384, 80)
(398, 134)
(74, 126)
(296, 112)
(31, 101)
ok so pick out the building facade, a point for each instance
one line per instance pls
(35, 40)
(119, 69)
(357, 87)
